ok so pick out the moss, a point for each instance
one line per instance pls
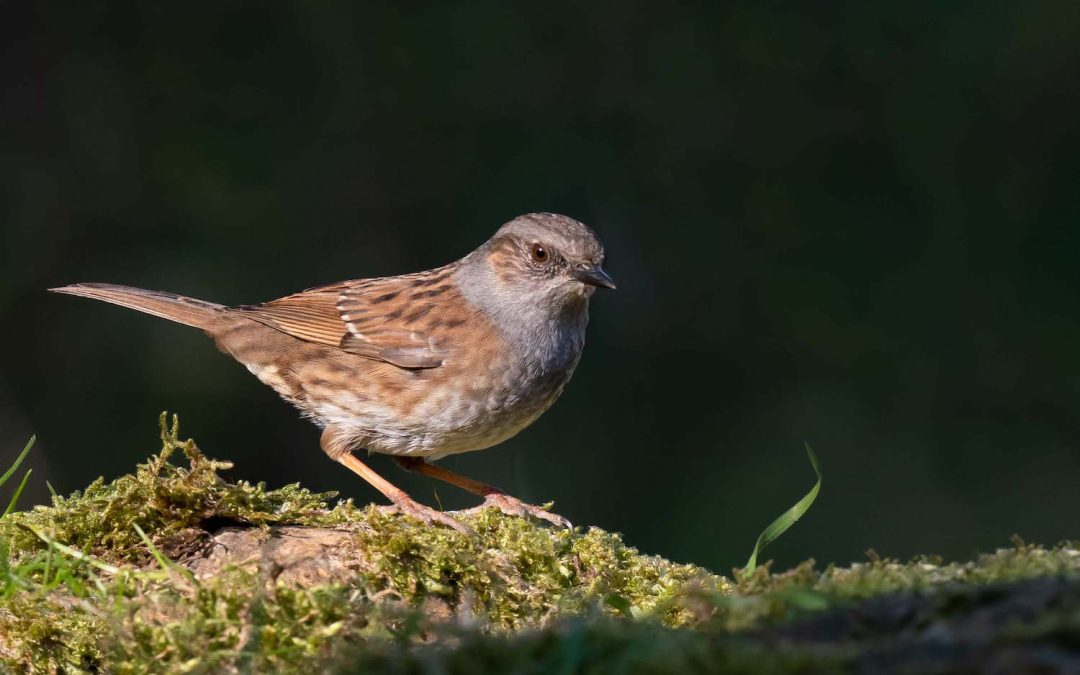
(51, 632)
(512, 575)
(168, 501)
(516, 596)
(231, 622)
(518, 574)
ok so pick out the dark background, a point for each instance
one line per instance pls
(855, 226)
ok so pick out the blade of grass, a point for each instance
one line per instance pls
(166, 564)
(47, 574)
(15, 497)
(787, 518)
(74, 553)
(18, 460)
(182, 577)
(5, 568)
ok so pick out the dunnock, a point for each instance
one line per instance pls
(422, 365)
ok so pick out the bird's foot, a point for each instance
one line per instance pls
(512, 506)
(426, 515)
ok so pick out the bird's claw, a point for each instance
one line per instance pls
(512, 506)
(427, 515)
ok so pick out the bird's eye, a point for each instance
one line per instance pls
(539, 253)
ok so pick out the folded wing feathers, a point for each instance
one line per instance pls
(345, 318)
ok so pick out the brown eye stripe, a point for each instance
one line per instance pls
(503, 244)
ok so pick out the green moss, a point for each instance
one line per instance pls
(516, 596)
(232, 621)
(49, 632)
(513, 574)
(518, 574)
(169, 502)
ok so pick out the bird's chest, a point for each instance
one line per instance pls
(493, 393)
(481, 396)
(532, 382)
(503, 396)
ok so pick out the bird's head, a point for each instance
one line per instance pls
(548, 258)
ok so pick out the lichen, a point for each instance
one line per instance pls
(84, 591)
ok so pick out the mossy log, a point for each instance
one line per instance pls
(174, 569)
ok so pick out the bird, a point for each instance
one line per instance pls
(417, 366)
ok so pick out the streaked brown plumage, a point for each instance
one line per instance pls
(422, 365)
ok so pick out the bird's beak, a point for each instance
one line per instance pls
(593, 276)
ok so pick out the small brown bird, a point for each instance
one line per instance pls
(423, 365)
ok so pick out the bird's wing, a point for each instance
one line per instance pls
(381, 319)
(310, 315)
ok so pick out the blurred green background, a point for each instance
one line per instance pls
(853, 224)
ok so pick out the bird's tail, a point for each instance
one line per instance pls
(188, 311)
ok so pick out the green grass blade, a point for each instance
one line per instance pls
(18, 460)
(46, 576)
(787, 518)
(18, 492)
(73, 553)
(166, 564)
